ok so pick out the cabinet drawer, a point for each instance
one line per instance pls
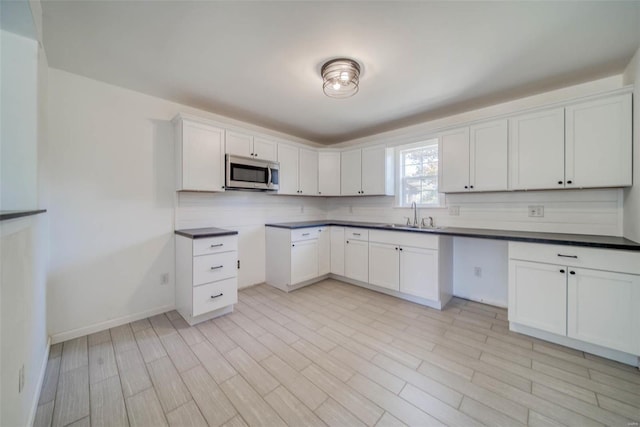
(213, 296)
(304, 234)
(214, 267)
(356, 234)
(573, 256)
(212, 245)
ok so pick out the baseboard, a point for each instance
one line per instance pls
(86, 330)
(41, 375)
(494, 303)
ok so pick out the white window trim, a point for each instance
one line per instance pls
(398, 178)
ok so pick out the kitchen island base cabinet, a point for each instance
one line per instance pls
(206, 277)
(583, 298)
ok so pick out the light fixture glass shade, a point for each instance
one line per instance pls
(340, 78)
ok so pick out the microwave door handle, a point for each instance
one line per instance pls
(269, 177)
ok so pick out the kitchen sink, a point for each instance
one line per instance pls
(410, 227)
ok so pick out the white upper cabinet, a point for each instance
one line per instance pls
(199, 153)
(351, 172)
(288, 173)
(367, 172)
(536, 146)
(329, 173)
(241, 144)
(488, 156)
(265, 149)
(453, 152)
(308, 172)
(598, 143)
(298, 170)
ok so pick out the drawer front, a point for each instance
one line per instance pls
(213, 296)
(212, 245)
(214, 267)
(356, 234)
(304, 234)
(577, 256)
(416, 240)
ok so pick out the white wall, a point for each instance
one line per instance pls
(112, 204)
(632, 195)
(19, 119)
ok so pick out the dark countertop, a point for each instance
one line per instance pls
(608, 242)
(199, 233)
(4, 215)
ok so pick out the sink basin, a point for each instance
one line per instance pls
(410, 227)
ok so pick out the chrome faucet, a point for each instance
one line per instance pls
(415, 213)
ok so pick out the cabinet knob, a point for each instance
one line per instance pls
(347, 242)
(559, 182)
(396, 249)
(466, 186)
(256, 154)
(569, 182)
(471, 186)
(562, 271)
(400, 248)
(572, 272)
(222, 187)
(292, 245)
(319, 192)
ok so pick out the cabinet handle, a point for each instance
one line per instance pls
(222, 187)
(292, 245)
(400, 248)
(562, 271)
(216, 296)
(559, 182)
(396, 249)
(218, 245)
(319, 192)
(568, 256)
(305, 234)
(256, 154)
(466, 186)
(569, 182)
(471, 186)
(572, 272)
(356, 234)
(347, 242)
(217, 267)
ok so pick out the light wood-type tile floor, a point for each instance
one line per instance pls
(332, 354)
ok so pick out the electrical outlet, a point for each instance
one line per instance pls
(477, 271)
(536, 211)
(454, 210)
(164, 279)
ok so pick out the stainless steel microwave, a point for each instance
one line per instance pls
(253, 174)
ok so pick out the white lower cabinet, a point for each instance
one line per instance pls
(419, 272)
(538, 295)
(356, 259)
(384, 265)
(324, 251)
(337, 250)
(206, 276)
(587, 295)
(296, 257)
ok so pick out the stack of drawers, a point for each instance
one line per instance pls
(206, 276)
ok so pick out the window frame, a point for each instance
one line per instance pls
(399, 149)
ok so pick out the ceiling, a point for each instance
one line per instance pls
(260, 61)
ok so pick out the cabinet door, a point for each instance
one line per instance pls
(598, 143)
(536, 147)
(488, 160)
(288, 158)
(304, 261)
(202, 157)
(373, 173)
(324, 251)
(264, 149)
(538, 296)
(351, 172)
(329, 173)
(419, 272)
(308, 172)
(453, 153)
(384, 265)
(603, 309)
(239, 144)
(337, 250)
(356, 260)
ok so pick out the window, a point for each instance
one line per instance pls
(418, 174)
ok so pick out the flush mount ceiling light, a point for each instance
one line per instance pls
(340, 78)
